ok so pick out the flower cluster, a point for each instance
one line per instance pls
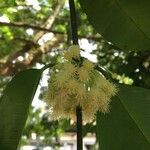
(75, 83)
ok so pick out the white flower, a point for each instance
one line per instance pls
(60, 79)
(80, 92)
(83, 74)
(88, 65)
(71, 85)
(73, 52)
(69, 68)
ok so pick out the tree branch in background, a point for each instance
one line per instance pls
(24, 49)
(23, 25)
(50, 21)
(10, 68)
(33, 56)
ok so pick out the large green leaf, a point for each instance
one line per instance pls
(14, 107)
(127, 126)
(125, 23)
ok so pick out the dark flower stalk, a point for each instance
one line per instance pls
(75, 41)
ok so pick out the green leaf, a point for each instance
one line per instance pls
(125, 23)
(14, 107)
(127, 125)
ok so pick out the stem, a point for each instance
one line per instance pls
(47, 66)
(75, 41)
(107, 74)
(73, 19)
(79, 128)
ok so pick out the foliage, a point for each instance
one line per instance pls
(37, 33)
(14, 106)
(124, 23)
(128, 121)
(134, 65)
